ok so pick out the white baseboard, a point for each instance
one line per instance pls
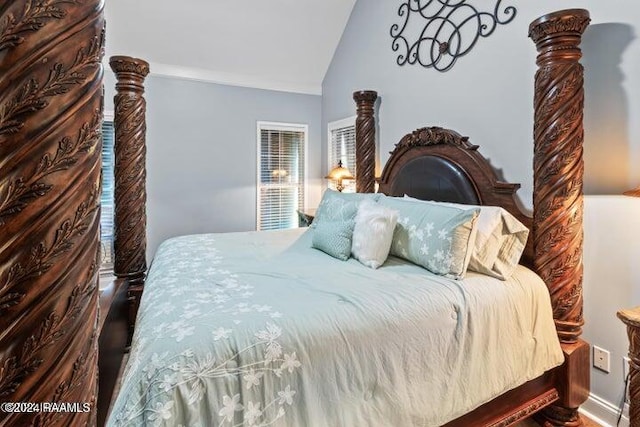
(603, 412)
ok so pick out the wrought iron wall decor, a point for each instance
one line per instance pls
(443, 30)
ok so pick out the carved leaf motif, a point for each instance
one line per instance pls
(568, 301)
(41, 255)
(553, 171)
(26, 100)
(19, 196)
(35, 15)
(16, 368)
(65, 390)
(32, 96)
(22, 191)
(556, 270)
(574, 24)
(10, 300)
(13, 373)
(129, 65)
(433, 136)
(550, 240)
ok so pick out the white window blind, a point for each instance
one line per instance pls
(106, 198)
(342, 147)
(281, 174)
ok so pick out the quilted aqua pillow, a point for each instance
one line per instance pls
(337, 206)
(438, 238)
(334, 237)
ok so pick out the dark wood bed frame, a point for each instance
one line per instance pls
(52, 340)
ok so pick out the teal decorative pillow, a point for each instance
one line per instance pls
(438, 238)
(500, 240)
(337, 206)
(334, 237)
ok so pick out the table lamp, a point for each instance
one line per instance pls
(339, 173)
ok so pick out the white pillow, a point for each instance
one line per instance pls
(500, 240)
(373, 233)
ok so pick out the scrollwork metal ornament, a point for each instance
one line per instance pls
(435, 33)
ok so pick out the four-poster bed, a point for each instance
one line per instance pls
(64, 231)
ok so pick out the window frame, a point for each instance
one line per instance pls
(332, 126)
(284, 127)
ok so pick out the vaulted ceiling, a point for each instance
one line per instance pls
(271, 44)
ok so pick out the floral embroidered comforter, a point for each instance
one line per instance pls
(259, 329)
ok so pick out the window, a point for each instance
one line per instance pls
(281, 174)
(342, 147)
(106, 199)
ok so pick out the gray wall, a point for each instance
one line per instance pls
(488, 95)
(202, 153)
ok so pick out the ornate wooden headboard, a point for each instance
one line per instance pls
(433, 163)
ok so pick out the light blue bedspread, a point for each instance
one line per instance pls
(259, 329)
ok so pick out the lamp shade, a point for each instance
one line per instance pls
(339, 173)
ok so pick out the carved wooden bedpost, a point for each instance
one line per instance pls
(130, 244)
(558, 172)
(50, 163)
(365, 141)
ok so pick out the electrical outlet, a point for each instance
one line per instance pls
(601, 359)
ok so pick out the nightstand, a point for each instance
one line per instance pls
(305, 217)
(631, 318)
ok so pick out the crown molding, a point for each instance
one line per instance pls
(230, 79)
